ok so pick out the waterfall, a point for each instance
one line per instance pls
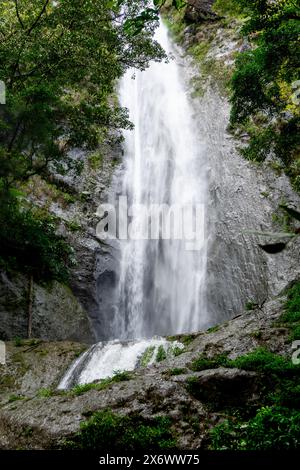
(162, 284)
(161, 288)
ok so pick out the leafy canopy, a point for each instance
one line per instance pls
(266, 82)
(59, 61)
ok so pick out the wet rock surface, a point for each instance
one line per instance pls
(56, 313)
(154, 391)
(199, 10)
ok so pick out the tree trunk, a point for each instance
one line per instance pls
(30, 300)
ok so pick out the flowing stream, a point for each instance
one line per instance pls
(162, 282)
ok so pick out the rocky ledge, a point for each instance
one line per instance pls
(193, 392)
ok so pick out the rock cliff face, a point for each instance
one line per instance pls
(61, 313)
(56, 313)
(199, 10)
(193, 401)
(243, 197)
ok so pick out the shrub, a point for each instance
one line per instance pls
(29, 243)
(291, 315)
(161, 354)
(106, 430)
(262, 360)
(204, 362)
(45, 393)
(272, 428)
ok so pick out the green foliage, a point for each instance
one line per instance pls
(28, 243)
(272, 428)
(18, 342)
(204, 362)
(251, 305)
(292, 306)
(73, 226)
(60, 62)
(262, 360)
(275, 422)
(57, 63)
(95, 160)
(230, 8)
(147, 356)
(213, 329)
(177, 371)
(187, 339)
(13, 398)
(45, 393)
(103, 384)
(264, 81)
(108, 431)
(176, 351)
(161, 354)
(256, 335)
(291, 315)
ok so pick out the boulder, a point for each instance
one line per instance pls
(224, 387)
(200, 10)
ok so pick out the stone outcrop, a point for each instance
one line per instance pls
(200, 10)
(154, 391)
(56, 313)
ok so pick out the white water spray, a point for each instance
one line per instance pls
(161, 289)
(162, 284)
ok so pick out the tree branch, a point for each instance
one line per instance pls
(18, 14)
(38, 18)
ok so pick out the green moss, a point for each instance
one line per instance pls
(147, 356)
(177, 371)
(102, 385)
(230, 8)
(73, 226)
(184, 339)
(174, 20)
(96, 160)
(176, 351)
(7, 382)
(256, 335)
(108, 431)
(18, 342)
(45, 393)
(13, 398)
(251, 305)
(187, 339)
(295, 333)
(291, 316)
(262, 360)
(213, 329)
(161, 354)
(203, 362)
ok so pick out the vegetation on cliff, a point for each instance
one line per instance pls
(59, 62)
(263, 82)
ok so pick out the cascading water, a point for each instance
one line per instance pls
(162, 283)
(161, 288)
